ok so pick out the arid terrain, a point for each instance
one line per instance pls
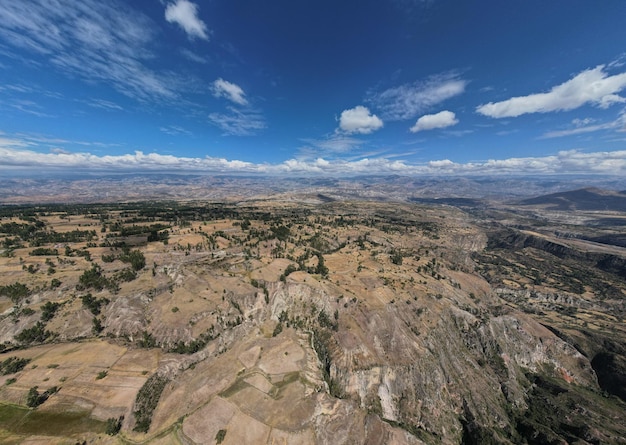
(314, 318)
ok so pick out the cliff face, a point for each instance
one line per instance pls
(434, 367)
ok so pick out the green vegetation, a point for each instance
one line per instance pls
(195, 345)
(561, 413)
(93, 304)
(396, 257)
(321, 342)
(135, 258)
(34, 334)
(15, 292)
(12, 365)
(48, 310)
(44, 251)
(277, 330)
(34, 398)
(94, 279)
(220, 436)
(96, 327)
(113, 425)
(25, 421)
(147, 400)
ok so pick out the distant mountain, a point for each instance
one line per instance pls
(582, 199)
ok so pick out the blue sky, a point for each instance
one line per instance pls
(313, 87)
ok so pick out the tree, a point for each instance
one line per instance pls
(281, 232)
(48, 310)
(114, 425)
(35, 334)
(396, 257)
(32, 399)
(321, 267)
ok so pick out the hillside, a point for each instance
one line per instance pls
(587, 199)
(324, 322)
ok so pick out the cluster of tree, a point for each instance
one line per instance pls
(48, 310)
(134, 257)
(35, 334)
(114, 425)
(94, 278)
(321, 343)
(93, 304)
(15, 292)
(137, 230)
(24, 231)
(34, 398)
(126, 274)
(11, 243)
(78, 252)
(44, 251)
(147, 400)
(73, 236)
(396, 257)
(12, 365)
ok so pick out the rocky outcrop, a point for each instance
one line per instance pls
(434, 370)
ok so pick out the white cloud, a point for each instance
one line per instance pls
(92, 40)
(334, 145)
(175, 130)
(409, 100)
(442, 119)
(238, 123)
(359, 120)
(582, 126)
(582, 122)
(231, 91)
(19, 154)
(592, 86)
(190, 55)
(185, 14)
(104, 105)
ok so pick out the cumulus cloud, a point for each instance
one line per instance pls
(442, 119)
(231, 91)
(592, 86)
(359, 120)
(185, 14)
(410, 100)
(16, 154)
